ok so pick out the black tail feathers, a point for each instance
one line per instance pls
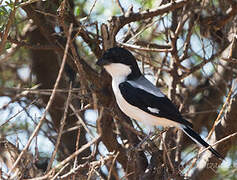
(195, 137)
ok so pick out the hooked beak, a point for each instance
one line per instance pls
(102, 62)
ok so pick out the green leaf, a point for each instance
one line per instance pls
(77, 11)
(8, 45)
(4, 10)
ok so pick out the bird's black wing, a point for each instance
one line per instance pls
(150, 103)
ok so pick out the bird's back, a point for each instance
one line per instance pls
(144, 84)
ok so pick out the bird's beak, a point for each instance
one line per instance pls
(102, 62)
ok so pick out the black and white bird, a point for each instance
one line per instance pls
(139, 99)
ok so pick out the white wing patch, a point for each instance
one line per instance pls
(153, 110)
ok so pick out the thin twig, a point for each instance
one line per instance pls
(76, 153)
(8, 26)
(34, 90)
(28, 2)
(9, 53)
(56, 175)
(77, 147)
(200, 65)
(81, 121)
(60, 130)
(152, 12)
(68, 159)
(74, 170)
(7, 121)
(131, 46)
(19, 44)
(221, 112)
(228, 97)
(168, 156)
(221, 140)
(42, 119)
(112, 165)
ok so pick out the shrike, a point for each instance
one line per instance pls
(139, 99)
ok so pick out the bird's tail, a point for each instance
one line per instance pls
(195, 137)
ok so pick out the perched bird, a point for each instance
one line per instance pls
(139, 99)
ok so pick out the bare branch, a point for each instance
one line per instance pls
(42, 119)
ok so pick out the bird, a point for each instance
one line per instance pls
(139, 99)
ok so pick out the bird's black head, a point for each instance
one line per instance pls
(120, 56)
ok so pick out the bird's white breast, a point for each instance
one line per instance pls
(118, 70)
